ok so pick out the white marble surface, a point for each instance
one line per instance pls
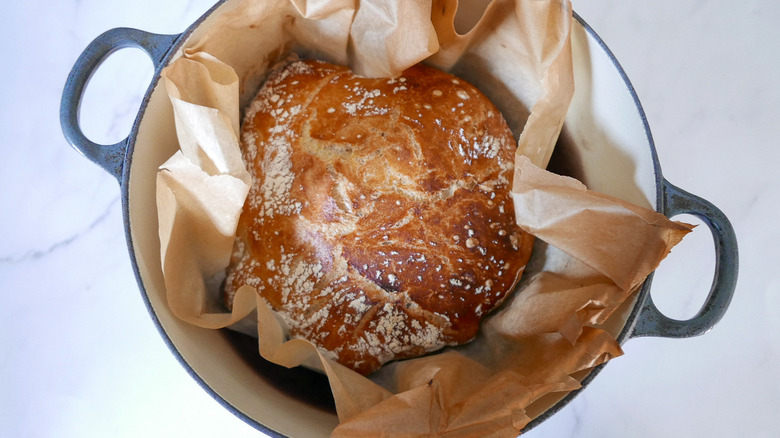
(81, 358)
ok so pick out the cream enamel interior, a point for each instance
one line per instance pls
(604, 126)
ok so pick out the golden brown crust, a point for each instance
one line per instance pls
(379, 224)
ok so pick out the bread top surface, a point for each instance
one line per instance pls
(379, 225)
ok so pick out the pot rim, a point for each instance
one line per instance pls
(644, 318)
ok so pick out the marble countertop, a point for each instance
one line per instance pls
(81, 358)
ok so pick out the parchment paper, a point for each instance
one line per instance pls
(596, 250)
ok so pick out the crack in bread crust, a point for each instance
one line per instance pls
(379, 225)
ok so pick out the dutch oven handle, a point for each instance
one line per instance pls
(109, 157)
(651, 322)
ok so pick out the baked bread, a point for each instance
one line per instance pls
(379, 224)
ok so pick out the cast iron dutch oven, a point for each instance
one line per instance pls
(605, 136)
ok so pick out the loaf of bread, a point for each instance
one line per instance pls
(379, 225)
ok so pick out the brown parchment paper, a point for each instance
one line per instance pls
(595, 250)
